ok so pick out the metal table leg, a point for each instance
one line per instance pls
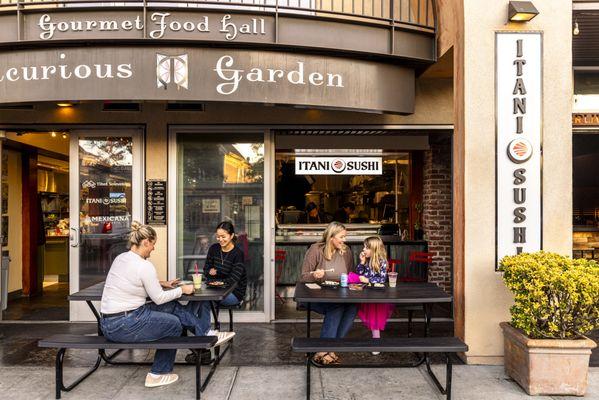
(427, 319)
(215, 311)
(308, 309)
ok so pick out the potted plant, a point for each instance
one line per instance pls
(556, 302)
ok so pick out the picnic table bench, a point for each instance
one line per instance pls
(66, 341)
(426, 345)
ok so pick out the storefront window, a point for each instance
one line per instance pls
(586, 195)
(221, 177)
(360, 198)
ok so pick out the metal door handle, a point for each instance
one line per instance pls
(73, 236)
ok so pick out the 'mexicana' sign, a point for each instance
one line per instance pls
(202, 74)
(518, 101)
(338, 165)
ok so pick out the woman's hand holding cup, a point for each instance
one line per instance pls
(318, 274)
(187, 289)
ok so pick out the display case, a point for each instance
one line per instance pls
(55, 208)
(295, 239)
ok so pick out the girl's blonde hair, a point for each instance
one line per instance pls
(139, 233)
(377, 252)
(333, 229)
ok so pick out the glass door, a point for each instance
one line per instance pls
(106, 195)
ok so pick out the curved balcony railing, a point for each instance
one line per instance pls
(411, 14)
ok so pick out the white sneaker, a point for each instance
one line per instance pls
(223, 337)
(160, 380)
(212, 332)
(376, 353)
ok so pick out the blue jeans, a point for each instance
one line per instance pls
(203, 311)
(338, 318)
(151, 322)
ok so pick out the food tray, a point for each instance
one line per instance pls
(329, 285)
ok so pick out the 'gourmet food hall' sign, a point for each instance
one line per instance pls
(203, 74)
(518, 101)
(159, 26)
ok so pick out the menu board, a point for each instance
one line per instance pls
(155, 202)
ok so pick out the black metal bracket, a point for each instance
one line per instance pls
(60, 386)
(447, 389)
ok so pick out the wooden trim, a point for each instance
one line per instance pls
(458, 172)
(31, 219)
(416, 185)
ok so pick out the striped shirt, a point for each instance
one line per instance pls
(229, 267)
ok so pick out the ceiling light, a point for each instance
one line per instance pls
(521, 11)
(53, 134)
(65, 104)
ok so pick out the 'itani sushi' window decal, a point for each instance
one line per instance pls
(518, 141)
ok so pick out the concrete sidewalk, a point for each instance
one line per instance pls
(280, 382)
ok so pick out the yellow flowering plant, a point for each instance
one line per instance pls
(555, 297)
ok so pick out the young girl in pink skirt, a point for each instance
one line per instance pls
(373, 269)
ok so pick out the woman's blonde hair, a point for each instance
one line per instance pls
(377, 252)
(139, 233)
(333, 229)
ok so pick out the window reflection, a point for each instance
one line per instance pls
(105, 207)
(220, 177)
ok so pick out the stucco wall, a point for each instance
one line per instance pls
(486, 299)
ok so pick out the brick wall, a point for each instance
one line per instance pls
(437, 212)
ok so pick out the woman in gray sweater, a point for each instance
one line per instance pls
(326, 260)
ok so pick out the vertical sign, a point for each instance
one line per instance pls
(155, 202)
(518, 140)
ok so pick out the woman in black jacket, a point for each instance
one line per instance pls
(224, 262)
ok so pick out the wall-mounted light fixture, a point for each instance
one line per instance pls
(521, 11)
(575, 31)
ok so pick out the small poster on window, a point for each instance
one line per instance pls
(247, 200)
(211, 206)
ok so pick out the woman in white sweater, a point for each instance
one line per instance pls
(126, 317)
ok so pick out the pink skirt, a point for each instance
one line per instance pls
(375, 316)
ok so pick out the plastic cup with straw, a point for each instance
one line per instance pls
(197, 278)
(392, 276)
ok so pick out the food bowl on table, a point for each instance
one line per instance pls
(356, 286)
(216, 284)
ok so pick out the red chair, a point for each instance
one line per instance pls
(418, 266)
(280, 256)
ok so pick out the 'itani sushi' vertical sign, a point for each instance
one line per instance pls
(518, 99)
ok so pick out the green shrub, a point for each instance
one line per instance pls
(555, 296)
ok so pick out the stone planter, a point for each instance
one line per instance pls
(547, 366)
